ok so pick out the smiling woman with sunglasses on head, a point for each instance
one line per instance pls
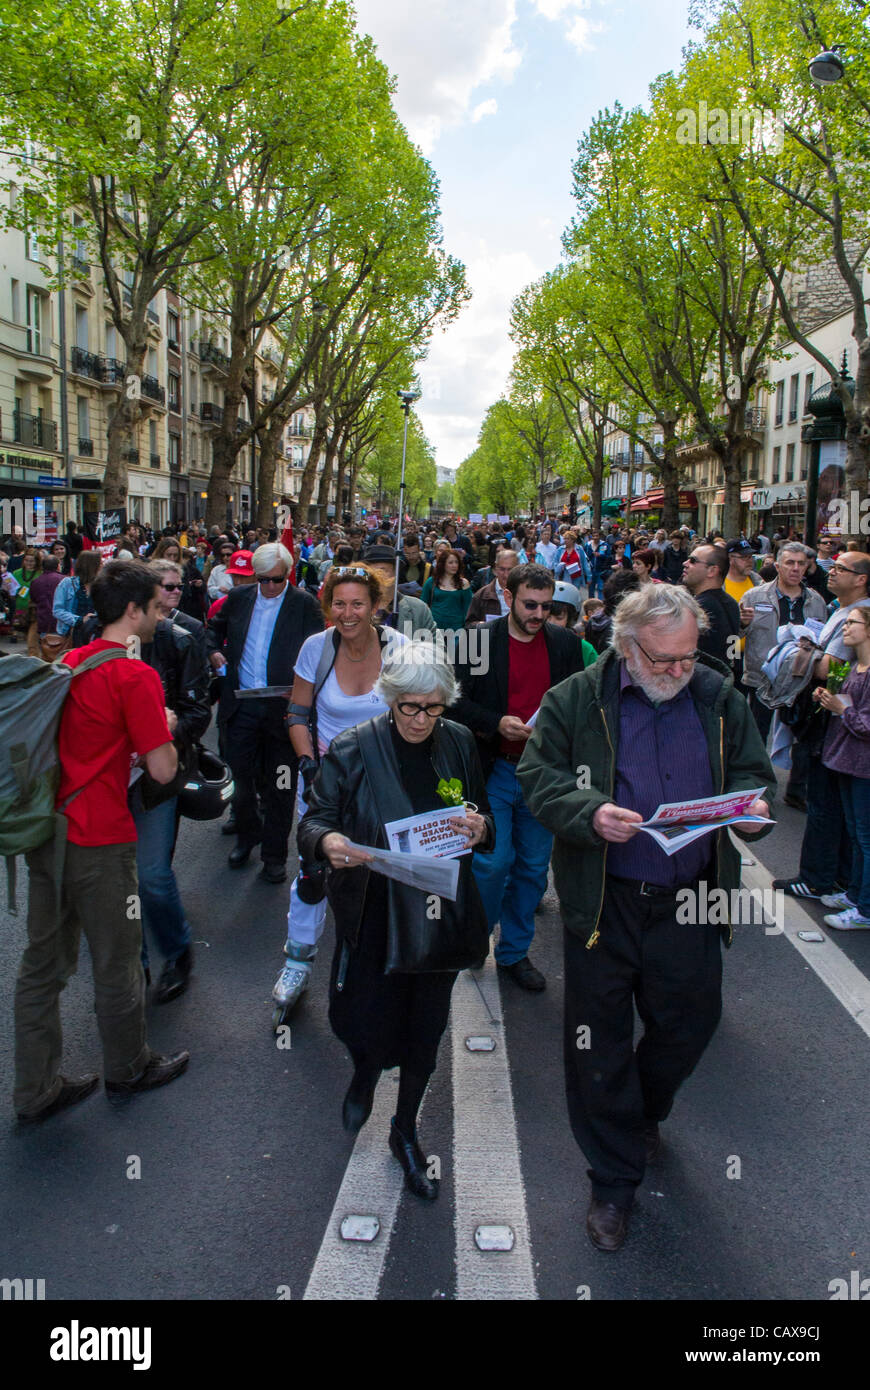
(395, 961)
(333, 690)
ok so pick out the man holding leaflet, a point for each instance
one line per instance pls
(651, 722)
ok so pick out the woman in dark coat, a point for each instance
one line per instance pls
(396, 959)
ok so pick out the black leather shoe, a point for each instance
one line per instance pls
(159, 1072)
(359, 1101)
(413, 1161)
(229, 825)
(653, 1142)
(70, 1093)
(798, 802)
(147, 977)
(273, 872)
(525, 975)
(175, 977)
(239, 856)
(606, 1225)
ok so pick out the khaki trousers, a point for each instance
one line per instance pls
(98, 882)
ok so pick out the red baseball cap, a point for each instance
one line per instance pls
(241, 563)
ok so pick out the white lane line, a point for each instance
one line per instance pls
(846, 982)
(488, 1179)
(372, 1186)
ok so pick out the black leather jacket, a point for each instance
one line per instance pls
(343, 798)
(178, 658)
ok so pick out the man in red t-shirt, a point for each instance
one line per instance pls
(113, 716)
(522, 658)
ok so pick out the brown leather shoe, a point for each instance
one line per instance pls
(653, 1141)
(606, 1225)
(159, 1072)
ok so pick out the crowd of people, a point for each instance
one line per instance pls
(624, 669)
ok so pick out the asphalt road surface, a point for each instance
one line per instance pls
(761, 1192)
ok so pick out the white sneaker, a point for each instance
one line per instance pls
(850, 920)
(838, 900)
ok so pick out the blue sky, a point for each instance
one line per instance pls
(497, 94)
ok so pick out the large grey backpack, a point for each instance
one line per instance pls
(32, 693)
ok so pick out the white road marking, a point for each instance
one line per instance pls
(846, 982)
(372, 1185)
(487, 1176)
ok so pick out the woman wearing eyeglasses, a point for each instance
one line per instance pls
(447, 591)
(847, 753)
(333, 690)
(397, 952)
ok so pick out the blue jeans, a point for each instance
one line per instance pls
(512, 879)
(163, 919)
(855, 793)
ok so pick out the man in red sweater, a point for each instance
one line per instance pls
(114, 716)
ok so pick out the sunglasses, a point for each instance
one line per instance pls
(271, 579)
(842, 569)
(530, 606)
(171, 588)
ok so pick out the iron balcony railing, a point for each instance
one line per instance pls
(32, 429)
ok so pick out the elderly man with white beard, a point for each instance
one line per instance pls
(652, 721)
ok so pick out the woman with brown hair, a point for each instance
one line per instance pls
(333, 690)
(72, 597)
(447, 591)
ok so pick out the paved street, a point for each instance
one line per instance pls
(246, 1171)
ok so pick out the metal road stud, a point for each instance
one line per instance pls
(494, 1238)
(363, 1228)
(480, 1043)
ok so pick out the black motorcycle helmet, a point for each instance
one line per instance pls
(204, 793)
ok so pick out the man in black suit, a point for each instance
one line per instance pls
(526, 657)
(258, 632)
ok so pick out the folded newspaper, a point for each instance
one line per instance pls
(677, 823)
(423, 871)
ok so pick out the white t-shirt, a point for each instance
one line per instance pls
(546, 553)
(335, 710)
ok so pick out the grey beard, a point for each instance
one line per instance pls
(658, 689)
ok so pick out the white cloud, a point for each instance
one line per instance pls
(578, 29)
(484, 108)
(441, 54)
(468, 366)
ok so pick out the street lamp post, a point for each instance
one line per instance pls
(407, 398)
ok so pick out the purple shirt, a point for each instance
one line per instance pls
(847, 742)
(662, 756)
(42, 593)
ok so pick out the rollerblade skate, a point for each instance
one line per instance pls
(293, 981)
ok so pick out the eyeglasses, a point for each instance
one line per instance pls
(668, 660)
(854, 622)
(693, 560)
(171, 588)
(843, 569)
(412, 711)
(530, 606)
(271, 579)
(356, 570)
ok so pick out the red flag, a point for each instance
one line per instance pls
(287, 539)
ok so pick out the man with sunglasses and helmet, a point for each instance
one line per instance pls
(653, 721)
(527, 655)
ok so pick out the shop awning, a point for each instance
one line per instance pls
(655, 498)
(612, 506)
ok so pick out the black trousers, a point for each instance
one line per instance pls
(673, 973)
(262, 760)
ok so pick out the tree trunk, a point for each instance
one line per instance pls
(267, 467)
(219, 485)
(124, 419)
(597, 488)
(670, 477)
(732, 462)
(310, 473)
(326, 479)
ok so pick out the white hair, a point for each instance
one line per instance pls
(267, 556)
(668, 604)
(417, 668)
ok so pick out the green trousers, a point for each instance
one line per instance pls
(99, 897)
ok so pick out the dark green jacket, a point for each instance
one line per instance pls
(578, 728)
